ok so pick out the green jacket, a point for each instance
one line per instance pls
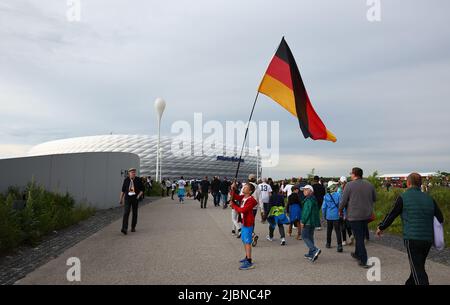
(310, 212)
(417, 215)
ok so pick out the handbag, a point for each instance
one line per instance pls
(438, 229)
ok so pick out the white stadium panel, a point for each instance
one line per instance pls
(215, 161)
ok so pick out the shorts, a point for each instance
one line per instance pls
(247, 235)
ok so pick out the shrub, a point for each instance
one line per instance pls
(43, 213)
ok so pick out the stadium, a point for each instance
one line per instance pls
(178, 157)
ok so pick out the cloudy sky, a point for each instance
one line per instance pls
(381, 87)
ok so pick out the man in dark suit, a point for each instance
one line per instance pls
(132, 190)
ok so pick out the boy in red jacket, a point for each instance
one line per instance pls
(248, 220)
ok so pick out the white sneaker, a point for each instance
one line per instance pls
(319, 228)
(269, 238)
(344, 243)
(283, 242)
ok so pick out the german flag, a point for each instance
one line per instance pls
(283, 83)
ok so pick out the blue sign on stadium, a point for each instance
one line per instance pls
(231, 159)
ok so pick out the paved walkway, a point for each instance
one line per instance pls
(183, 244)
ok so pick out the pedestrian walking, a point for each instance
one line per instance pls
(319, 193)
(310, 220)
(215, 191)
(294, 209)
(266, 192)
(224, 190)
(330, 212)
(173, 188)
(358, 198)
(276, 209)
(205, 188)
(181, 189)
(418, 211)
(168, 186)
(132, 190)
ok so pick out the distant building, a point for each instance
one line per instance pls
(202, 160)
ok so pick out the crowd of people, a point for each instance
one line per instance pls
(304, 206)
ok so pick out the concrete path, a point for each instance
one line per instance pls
(183, 244)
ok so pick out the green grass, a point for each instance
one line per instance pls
(386, 200)
(44, 212)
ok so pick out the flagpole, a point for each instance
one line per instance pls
(245, 136)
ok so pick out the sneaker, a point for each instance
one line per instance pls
(246, 265)
(344, 243)
(340, 249)
(328, 246)
(124, 232)
(255, 240)
(307, 256)
(233, 232)
(316, 255)
(243, 260)
(319, 229)
(133, 230)
(283, 241)
(269, 238)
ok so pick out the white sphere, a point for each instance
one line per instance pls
(160, 105)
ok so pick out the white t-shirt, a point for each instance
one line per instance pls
(174, 186)
(181, 184)
(288, 189)
(265, 191)
(168, 183)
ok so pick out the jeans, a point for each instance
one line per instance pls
(417, 254)
(359, 228)
(337, 229)
(216, 197)
(308, 238)
(131, 204)
(224, 199)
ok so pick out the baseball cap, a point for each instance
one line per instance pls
(307, 187)
(343, 179)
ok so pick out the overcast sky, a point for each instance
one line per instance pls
(383, 87)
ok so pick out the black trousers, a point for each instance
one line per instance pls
(359, 228)
(346, 229)
(417, 254)
(204, 199)
(336, 224)
(131, 204)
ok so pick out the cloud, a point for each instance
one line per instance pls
(380, 87)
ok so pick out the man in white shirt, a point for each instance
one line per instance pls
(265, 191)
(288, 188)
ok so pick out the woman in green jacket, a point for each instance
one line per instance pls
(310, 220)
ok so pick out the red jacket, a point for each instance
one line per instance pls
(248, 219)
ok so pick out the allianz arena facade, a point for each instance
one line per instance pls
(199, 159)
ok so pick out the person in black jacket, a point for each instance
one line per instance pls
(319, 193)
(204, 190)
(215, 191)
(132, 190)
(224, 190)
